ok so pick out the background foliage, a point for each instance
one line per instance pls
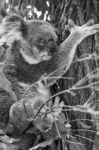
(57, 12)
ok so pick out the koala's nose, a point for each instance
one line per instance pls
(52, 46)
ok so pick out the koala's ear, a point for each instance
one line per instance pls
(12, 28)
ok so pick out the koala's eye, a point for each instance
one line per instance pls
(41, 42)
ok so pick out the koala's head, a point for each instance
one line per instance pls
(38, 38)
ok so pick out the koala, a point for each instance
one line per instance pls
(34, 55)
(40, 47)
(35, 40)
(34, 50)
(29, 42)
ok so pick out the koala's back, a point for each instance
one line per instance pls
(10, 72)
(5, 103)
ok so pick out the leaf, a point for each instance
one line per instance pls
(6, 85)
(45, 120)
(4, 139)
(43, 144)
(62, 129)
(42, 120)
(61, 117)
(57, 129)
(51, 133)
(57, 109)
(83, 125)
(7, 146)
(43, 124)
(25, 141)
(57, 102)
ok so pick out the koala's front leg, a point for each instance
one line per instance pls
(62, 60)
(84, 31)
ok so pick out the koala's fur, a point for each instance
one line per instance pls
(22, 38)
(33, 54)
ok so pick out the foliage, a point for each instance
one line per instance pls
(66, 124)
